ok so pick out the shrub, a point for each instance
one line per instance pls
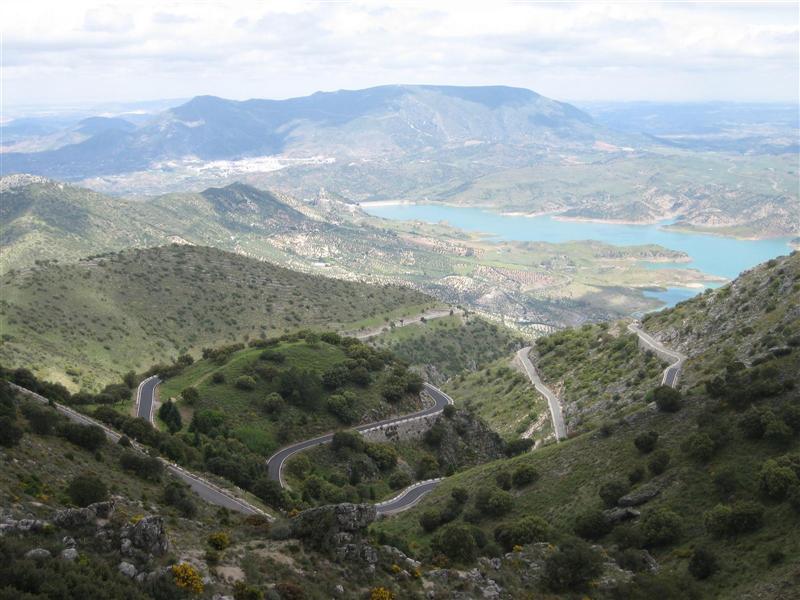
(523, 531)
(177, 495)
(191, 396)
(170, 414)
(427, 467)
(571, 567)
(636, 475)
(147, 467)
(90, 437)
(10, 432)
(429, 520)
(218, 377)
(793, 496)
(348, 439)
(524, 475)
(342, 406)
(741, 517)
(219, 540)
(503, 479)
(336, 377)
(289, 591)
(646, 442)
(187, 578)
(449, 411)
(457, 542)
(399, 480)
(460, 495)
(659, 462)
(699, 446)
(592, 525)
(776, 480)
(242, 591)
(726, 481)
(270, 492)
(661, 527)
(245, 382)
(384, 455)
(667, 399)
(493, 502)
(380, 593)
(41, 419)
(86, 489)
(611, 491)
(273, 404)
(703, 564)
(518, 446)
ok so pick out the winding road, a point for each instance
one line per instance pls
(208, 491)
(146, 399)
(673, 372)
(405, 499)
(556, 416)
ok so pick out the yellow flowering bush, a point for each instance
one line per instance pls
(187, 578)
(219, 540)
(381, 593)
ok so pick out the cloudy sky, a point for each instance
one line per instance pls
(78, 52)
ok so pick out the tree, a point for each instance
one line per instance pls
(190, 395)
(90, 437)
(524, 475)
(169, 413)
(245, 382)
(493, 501)
(270, 492)
(592, 525)
(86, 489)
(457, 542)
(518, 446)
(384, 455)
(146, 467)
(342, 406)
(571, 567)
(646, 442)
(10, 432)
(667, 399)
(703, 564)
(176, 494)
(661, 527)
(523, 531)
(348, 439)
(659, 462)
(429, 520)
(740, 517)
(699, 446)
(611, 491)
(776, 480)
(336, 376)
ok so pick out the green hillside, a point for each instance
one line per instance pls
(86, 324)
(286, 390)
(450, 345)
(713, 470)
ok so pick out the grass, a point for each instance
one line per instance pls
(242, 410)
(504, 398)
(88, 323)
(449, 345)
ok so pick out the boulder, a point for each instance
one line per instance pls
(103, 510)
(639, 496)
(339, 529)
(147, 535)
(127, 569)
(38, 554)
(68, 542)
(73, 518)
(618, 515)
(69, 554)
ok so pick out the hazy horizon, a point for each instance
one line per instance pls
(92, 54)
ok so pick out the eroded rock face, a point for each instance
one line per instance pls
(74, 518)
(339, 529)
(640, 496)
(38, 554)
(147, 536)
(617, 515)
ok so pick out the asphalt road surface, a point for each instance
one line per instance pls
(556, 416)
(408, 497)
(673, 372)
(146, 398)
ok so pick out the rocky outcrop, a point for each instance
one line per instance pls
(146, 536)
(618, 515)
(463, 439)
(338, 529)
(38, 554)
(9, 525)
(642, 494)
(75, 518)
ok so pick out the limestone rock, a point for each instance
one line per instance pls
(69, 554)
(38, 554)
(127, 569)
(147, 535)
(74, 518)
(617, 515)
(640, 496)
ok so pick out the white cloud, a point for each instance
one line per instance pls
(88, 51)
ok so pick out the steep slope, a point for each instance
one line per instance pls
(86, 323)
(707, 481)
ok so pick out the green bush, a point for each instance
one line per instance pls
(457, 542)
(10, 432)
(399, 480)
(429, 520)
(191, 396)
(169, 413)
(524, 475)
(146, 467)
(667, 399)
(176, 494)
(611, 491)
(86, 489)
(90, 437)
(523, 531)
(661, 527)
(460, 495)
(699, 446)
(245, 382)
(703, 564)
(219, 540)
(776, 480)
(592, 525)
(646, 442)
(384, 455)
(493, 502)
(571, 567)
(741, 517)
(659, 462)
(42, 419)
(503, 479)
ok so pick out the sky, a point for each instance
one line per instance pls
(63, 53)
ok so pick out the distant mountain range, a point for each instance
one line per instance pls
(376, 122)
